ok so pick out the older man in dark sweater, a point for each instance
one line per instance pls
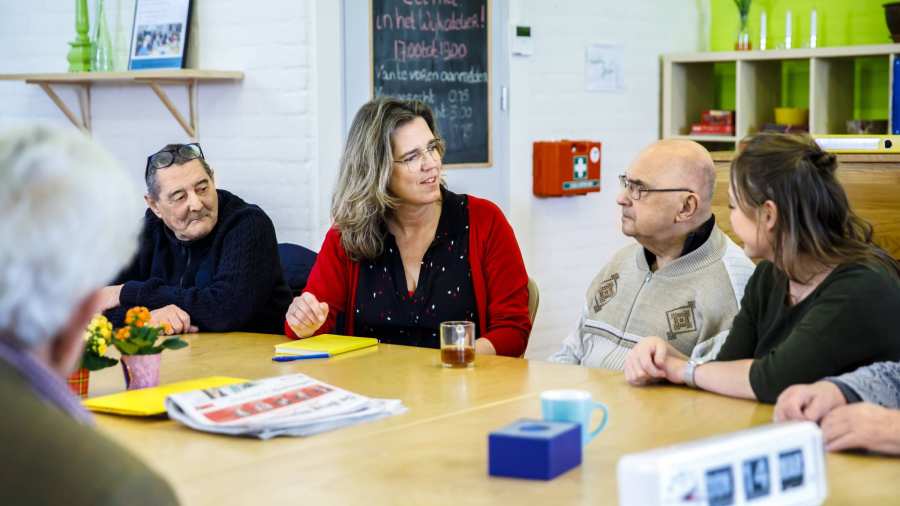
(208, 261)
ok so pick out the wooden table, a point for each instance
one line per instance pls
(436, 453)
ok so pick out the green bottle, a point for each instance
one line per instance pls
(101, 50)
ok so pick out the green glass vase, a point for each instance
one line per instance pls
(743, 37)
(101, 50)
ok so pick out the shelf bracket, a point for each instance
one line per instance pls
(83, 89)
(189, 126)
(84, 103)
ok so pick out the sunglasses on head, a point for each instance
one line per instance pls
(166, 157)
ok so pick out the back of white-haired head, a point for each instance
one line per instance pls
(69, 219)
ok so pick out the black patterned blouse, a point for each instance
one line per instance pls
(384, 307)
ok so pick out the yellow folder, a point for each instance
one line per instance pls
(331, 344)
(152, 401)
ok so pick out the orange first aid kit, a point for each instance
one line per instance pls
(566, 168)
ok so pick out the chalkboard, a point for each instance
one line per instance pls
(437, 51)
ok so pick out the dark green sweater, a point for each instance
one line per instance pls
(850, 320)
(49, 458)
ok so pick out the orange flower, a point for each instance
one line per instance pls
(167, 328)
(137, 316)
(130, 316)
(123, 333)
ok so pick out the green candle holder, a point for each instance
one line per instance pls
(80, 53)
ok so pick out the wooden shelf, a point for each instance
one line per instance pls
(128, 76)
(872, 181)
(155, 79)
(888, 161)
(689, 87)
(785, 54)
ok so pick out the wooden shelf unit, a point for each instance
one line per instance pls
(689, 88)
(155, 79)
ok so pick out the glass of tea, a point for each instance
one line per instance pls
(458, 344)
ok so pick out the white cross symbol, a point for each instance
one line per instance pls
(580, 168)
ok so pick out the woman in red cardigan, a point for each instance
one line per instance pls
(405, 253)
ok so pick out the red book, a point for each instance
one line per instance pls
(717, 117)
(701, 129)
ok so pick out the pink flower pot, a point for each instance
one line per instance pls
(141, 371)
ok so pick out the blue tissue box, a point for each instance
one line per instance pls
(534, 449)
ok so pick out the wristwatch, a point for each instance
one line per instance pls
(688, 375)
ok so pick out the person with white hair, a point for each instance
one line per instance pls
(63, 235)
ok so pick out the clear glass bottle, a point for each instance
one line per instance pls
(743, 37)
(101, 56)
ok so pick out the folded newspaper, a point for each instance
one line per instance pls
(292, 405)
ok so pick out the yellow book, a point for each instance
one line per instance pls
(152, 401)
(325, 344)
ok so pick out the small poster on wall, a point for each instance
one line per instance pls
(603, 68)
(159, 34)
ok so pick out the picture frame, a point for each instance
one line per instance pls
(159, 34)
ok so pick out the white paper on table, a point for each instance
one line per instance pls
(290, 405)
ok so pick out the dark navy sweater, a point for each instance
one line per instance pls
(231, 280)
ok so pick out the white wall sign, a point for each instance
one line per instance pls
(603, 68)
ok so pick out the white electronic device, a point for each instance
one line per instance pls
(859, 143)
(522, 45)
(780, 464)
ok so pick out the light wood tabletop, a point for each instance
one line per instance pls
(436, 453)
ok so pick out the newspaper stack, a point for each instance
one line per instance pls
(293, 405)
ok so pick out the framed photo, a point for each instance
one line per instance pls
(159, 34)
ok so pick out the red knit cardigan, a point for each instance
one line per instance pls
(499, 280)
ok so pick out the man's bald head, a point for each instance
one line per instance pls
(678, 178)
(682, 163)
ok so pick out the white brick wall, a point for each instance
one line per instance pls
(259, 135)
(567, 240)
(275, 138)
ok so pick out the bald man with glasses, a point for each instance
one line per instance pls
(207, 261)
(682, 280)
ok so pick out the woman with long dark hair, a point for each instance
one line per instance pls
(823, 301)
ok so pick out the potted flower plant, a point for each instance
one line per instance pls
(138, 343)
(96, 340)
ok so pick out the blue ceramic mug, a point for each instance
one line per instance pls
(573, 406)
